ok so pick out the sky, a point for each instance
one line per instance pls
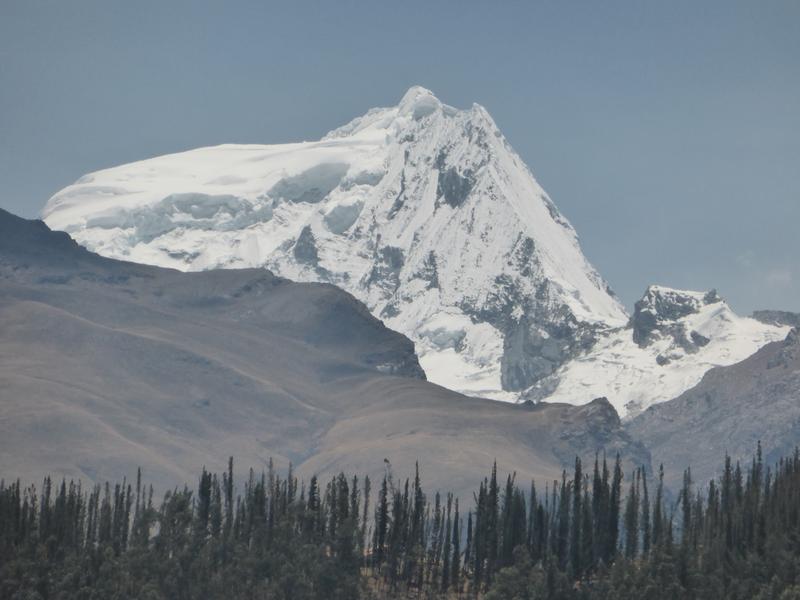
(668, 133)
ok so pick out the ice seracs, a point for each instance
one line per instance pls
(421, 210)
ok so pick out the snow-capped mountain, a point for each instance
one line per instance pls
(673, 338)
(426, 214)
(422, 211)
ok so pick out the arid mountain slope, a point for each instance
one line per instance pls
(107, 365)
(729, 411)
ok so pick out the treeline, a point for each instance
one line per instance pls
(597, 534)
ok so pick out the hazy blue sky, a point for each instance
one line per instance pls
(667, 132)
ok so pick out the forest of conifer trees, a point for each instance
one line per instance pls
(595, 534)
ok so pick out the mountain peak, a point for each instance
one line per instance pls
(427, 215)
(662, 307)
(418, 103)
(394, 122)
(667, 303)
(422, 211)
(673, 337)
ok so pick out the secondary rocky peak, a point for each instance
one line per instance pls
(670, 304)
(661, 307)
(672, 339)
(789, 353)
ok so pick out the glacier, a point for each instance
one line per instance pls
(426, 214)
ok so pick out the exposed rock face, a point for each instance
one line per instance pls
(305, 248)
(729, 411)
(660, 312)
(106, 366)
(531, 353)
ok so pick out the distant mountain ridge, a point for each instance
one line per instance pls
(108, 365)
(426, 214)
(778, 317)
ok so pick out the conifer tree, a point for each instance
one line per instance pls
(448, 524)
(615, 497)
(658, 508)
(563, 519)
(632, 517)
(381, 522)
(455, 562)
(645, 519)
(576, 543)
(111, 540)
(587, 533)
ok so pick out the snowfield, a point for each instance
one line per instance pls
(426, 214)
